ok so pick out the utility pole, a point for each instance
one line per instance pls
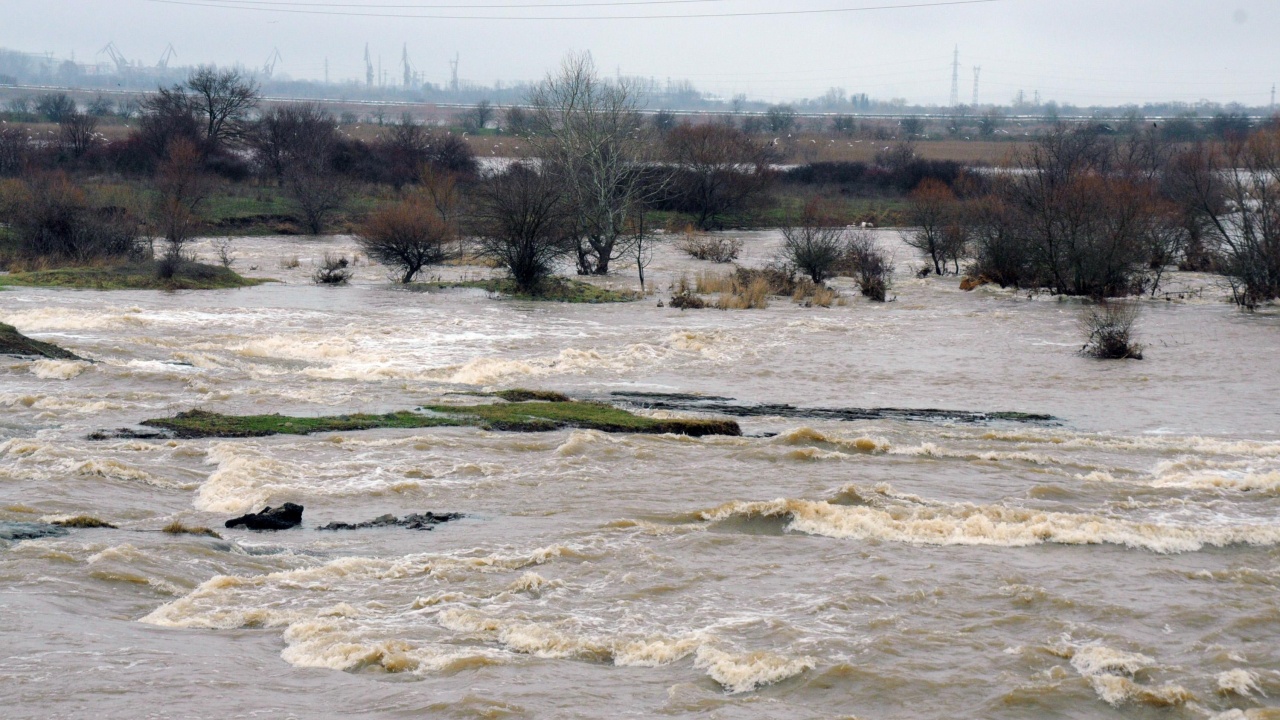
(955, 78)
(1273, 97)
(326, 71)
(977, 69)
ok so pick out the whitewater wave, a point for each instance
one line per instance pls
(1110, 673)
(899, 518)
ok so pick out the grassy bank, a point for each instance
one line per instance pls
(552, 290)
(537, 416)
(132, 276)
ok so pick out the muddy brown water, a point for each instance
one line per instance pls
(1123, 563)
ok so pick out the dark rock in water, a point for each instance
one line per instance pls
(130, 434)
(415, 521)
(727, 406)
(29, 530)
(284, 517)
(13, 342)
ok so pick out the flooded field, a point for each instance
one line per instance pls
(1120, 561)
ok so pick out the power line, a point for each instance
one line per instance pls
(688, 16)
(435, 6)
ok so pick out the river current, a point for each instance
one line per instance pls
(1121, 561)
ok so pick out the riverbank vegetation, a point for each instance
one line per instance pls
(587, 178)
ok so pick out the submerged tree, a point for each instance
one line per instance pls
(407, 235)
(521, 220)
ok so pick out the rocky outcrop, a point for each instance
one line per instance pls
(13, 342)
(284, 517)
(684, 402)
(415, 521)
(14, 531)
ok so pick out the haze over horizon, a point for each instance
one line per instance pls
(1087, 52)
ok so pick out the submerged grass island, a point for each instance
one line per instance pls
(527, 413)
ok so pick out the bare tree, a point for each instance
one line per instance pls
(287, 135)
(815, 243)
(591, 138)
(165, 117)
(932, 205)
(316, 194)
(1235, 191)
(478, 117)
(223, 100)
(718, 170)
(14, 150)
(780, 118)
(78, 133)
(181, 188)
(408, 235)
(54, 107)
(521, 220)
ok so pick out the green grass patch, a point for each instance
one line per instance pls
(13, 342)
(541, 416)
(552, 290)
(509, 416)
(132, 276)
(200, 424)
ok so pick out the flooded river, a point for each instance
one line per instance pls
(1123, 561)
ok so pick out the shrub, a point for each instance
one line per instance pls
(333, 270)
(53, 218)
(685, 297)
(869, 265)
(1108, 330)
(814, 244)
(778, 277)
(522, 223)
(752, 296)
(408, 235)
(716, 248)
(707, 282)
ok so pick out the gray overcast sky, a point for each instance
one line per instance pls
(1079, 51)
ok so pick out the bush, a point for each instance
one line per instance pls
(408, 235)
(53, 218)
(685, 297)
(751, 296)
(1108, 331)
(815, 244)
(333, 270)
(716, 248)
(869, 265)
(522, 223)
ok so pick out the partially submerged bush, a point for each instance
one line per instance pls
(1108, 330)
(706, 246)
(84, 522)
(177, 528)
(869, 265)
(685, 296)
(753, 295)
(333, 270)
(815, 243)
(408, 235)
